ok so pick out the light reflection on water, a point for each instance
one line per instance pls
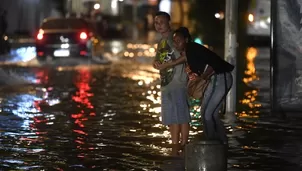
(23, 54)
(250, 95)
(261, 138)
(101, 118)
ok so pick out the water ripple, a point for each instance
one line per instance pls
(107, 118)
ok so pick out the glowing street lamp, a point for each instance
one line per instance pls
(97, 6)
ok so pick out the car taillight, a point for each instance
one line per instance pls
(40, 35)
(83, 35)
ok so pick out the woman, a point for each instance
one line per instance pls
(203, 62)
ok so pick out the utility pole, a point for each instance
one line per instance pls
(230, 49)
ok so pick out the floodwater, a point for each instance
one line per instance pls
(87, 116)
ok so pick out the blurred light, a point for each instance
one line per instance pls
(97, 6)
(83, 35)
(251, 17)
(198, 40)
(114, 7)
(165, 5)
(62, 53)
(114, 4)
(40, 34)
(219, 15)
(40, 53)
(263, 24)
(126, 54)
(65, 46)
(131, 55)
(24, 54)
(115, 50)
(83, 52)
(268, 19)
(152, 50)
(250, 75)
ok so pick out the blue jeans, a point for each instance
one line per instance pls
(212, 102)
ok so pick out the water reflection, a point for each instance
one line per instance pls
(250, 71)
(102, 118)
(148, 78)
(23, 54)
(86, 111)
(140, 50)
(251, 94)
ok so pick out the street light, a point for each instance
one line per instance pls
(97, 6)
(251, 17)
(219, 15)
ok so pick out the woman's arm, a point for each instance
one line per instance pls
(209, 71)
(180, 60)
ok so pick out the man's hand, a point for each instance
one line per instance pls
(156, 64)
(163, 66)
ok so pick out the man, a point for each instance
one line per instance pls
(174, 100)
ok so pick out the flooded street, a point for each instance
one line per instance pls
(79, 115)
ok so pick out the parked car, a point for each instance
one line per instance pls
(66, 37)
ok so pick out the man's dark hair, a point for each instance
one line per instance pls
(162, 13)
(184, 31)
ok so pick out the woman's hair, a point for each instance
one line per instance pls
(184, 31)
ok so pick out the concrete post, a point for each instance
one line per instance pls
(231, 23)
(206, 156)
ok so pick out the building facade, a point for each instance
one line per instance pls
(25, 16)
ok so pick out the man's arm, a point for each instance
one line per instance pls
(156, 61)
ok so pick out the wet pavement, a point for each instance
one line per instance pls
(103, 114)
